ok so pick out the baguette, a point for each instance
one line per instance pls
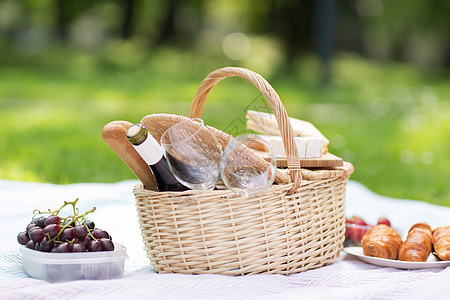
(381, 241)
(417, 246)
(441, 242)
(267, 124)
(263, 129)
(114, 134)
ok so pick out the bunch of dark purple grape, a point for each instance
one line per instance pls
(49, 232)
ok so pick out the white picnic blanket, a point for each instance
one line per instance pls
(346, 278)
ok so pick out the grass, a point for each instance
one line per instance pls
(390, 120)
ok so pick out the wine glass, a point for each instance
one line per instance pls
(241, 172)
(193, 154)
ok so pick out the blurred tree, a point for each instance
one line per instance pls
(324, 36)
(61, 19)
(178, 25)
(128, 8)
(412, 30)
(65, 13)
(292, 22)
(349, 29)
(167, 30)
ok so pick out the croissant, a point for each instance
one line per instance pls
(441, 242)
(417, 246)
(381, 241)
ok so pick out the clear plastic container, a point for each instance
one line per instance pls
(58, 267)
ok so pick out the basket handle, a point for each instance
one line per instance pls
(284, 125)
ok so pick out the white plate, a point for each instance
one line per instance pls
(432, 261)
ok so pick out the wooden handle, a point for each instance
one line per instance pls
(284, 125)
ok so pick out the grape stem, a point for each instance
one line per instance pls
(56, 212)
(74, 219)
(73, 203)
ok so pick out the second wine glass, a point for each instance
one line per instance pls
(240, 169)
(193, 154)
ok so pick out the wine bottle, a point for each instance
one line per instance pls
(153, 154)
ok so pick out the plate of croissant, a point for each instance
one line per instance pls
(423, 247)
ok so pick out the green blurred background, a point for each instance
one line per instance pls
(372, 75)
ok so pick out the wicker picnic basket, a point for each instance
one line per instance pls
(290, 228)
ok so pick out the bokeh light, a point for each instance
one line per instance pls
(236, 46)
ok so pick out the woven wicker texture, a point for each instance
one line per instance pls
(290, 228)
